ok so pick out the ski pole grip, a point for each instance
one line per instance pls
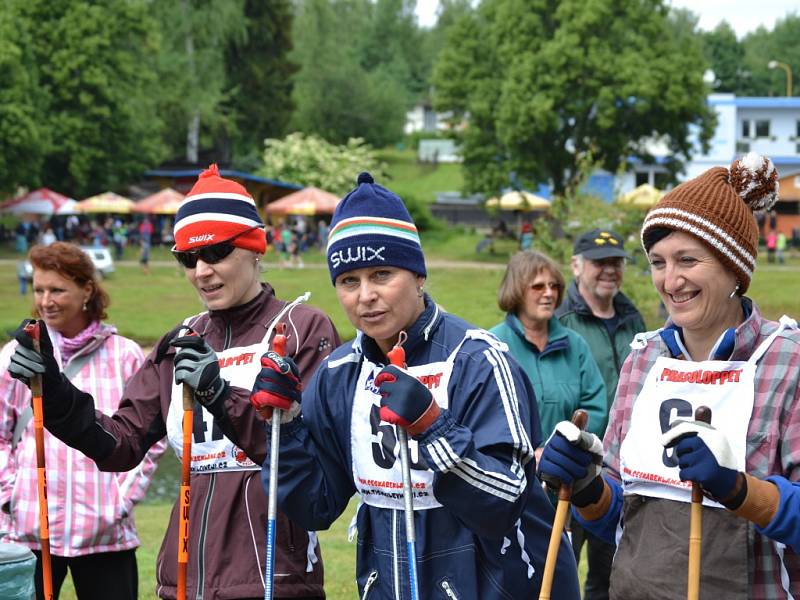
(397, 356)
(703, 413)
(34, 332)
(580, 418)
(279, 341)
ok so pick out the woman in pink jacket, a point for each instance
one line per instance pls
(92, 532)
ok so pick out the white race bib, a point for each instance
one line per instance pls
(375, 450)
(675, 389)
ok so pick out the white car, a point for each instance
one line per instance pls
(101, 257)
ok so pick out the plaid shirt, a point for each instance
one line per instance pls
(89, 511)
(773, 433)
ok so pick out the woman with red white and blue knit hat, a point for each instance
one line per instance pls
(219, 240)
(482, 522)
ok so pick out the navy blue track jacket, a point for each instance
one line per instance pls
(489, 538)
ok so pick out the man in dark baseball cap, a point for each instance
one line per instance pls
(599, 243)
(607, 320)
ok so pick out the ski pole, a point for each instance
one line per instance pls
(32, 329)
(703, 413)
(279, 346)
(579, 419)
(397, 356)
(186, 462)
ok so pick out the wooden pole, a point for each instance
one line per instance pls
(703, 413)
(579, 419)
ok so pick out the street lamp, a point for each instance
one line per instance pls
(773, 64)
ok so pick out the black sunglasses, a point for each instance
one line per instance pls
(210, 255)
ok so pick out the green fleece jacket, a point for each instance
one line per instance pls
(609, 350)
(564, 374)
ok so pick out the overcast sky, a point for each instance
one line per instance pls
(743, 15)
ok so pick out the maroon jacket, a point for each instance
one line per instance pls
(228, 512)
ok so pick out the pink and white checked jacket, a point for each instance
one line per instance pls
(89, 511)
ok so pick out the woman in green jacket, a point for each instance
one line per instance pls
(557, 360)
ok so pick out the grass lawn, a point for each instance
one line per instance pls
(407, 177)
(145, 306)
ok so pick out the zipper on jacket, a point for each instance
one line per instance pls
(617, 366)
(228, 335)
(448, 590)
(373, 577)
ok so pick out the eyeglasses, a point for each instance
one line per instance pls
(541, 285)
(210, 255)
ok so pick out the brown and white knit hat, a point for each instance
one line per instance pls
(718, 206)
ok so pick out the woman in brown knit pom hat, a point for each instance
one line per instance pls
(716, 350)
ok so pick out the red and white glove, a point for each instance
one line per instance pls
(405, 401)
(278, 385)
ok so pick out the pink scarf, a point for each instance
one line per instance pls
(69, 346)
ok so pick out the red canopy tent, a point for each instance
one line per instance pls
(163, 202)
(40, 202)
(308, 201)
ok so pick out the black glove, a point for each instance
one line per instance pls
(278, 385)
(27, 362)
(196, 364)
(58, 393)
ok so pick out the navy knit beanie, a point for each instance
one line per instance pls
(371, 227)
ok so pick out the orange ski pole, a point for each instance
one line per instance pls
(186, 461)
(703, 413)
(579, 419)
(32, 329)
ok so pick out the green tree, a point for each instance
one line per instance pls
(725, 55)
(261, 77)
(312, 161)
(546, 87)
(762, 46)
(23, 137)
(336, 94)
(96, 80)
(193, 83)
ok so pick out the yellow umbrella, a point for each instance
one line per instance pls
(107, 202)
(645, 196)
(519, 200)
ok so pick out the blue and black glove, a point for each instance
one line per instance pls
(196, 364)
(405, 401)
(704, 456)
(573, 457)
(278, 385)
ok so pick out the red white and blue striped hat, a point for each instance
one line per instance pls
(216, 210)
(372, 227)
